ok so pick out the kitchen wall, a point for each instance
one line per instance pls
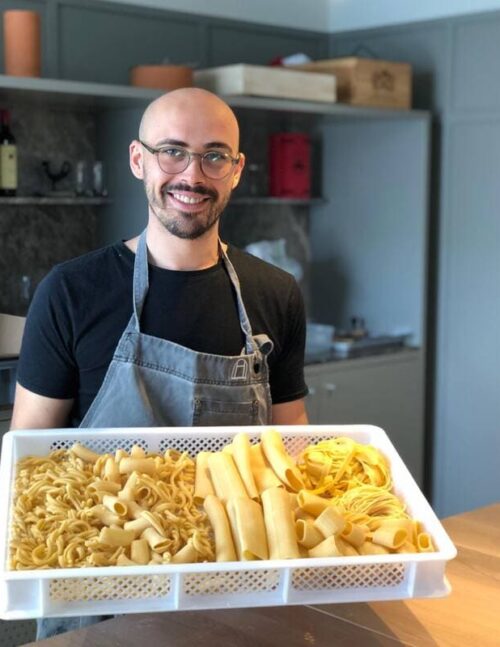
(455, 65)
(33, 238)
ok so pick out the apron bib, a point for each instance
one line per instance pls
(153, 382)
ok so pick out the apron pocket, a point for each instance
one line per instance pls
(210, 413)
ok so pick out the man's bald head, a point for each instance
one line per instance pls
(188, 103)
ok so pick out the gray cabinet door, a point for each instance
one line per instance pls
(384, 392)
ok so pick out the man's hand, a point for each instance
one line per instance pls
(33, 411)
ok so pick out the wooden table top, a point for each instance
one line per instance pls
(468, 617)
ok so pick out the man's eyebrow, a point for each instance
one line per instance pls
(218, 145)
(207, 146)
(171, 142)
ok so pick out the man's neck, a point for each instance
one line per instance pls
(170, 252)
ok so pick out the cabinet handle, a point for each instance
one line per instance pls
(330, 387)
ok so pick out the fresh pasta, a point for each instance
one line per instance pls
(334, 466)
(77, 508)
(279, 522)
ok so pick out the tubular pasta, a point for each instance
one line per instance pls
(407, 547)
(279, 523)
(281, 462)
(137, 525)
(202, 485)
(137, 452)
(123, 560)
(261, 470)
(114, 536)
(143, 465)
(424, 543)
(327, 548)
(84, 453)
(242, 458)
(225, 477)
(354, 534)
(157, 542)
(115, 505)
(307, 534)
(390, 537)
(330, 521)
(224, 546)
(369, 548)
(127, 491)
(139, 551)
(186, 555)
(311, 503)
(247, 524)
(100, 487)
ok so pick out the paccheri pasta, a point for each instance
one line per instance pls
(76, 508)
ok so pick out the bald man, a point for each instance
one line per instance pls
(173, 327)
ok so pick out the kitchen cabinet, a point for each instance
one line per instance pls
(385, 390)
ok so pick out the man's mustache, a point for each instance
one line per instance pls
(202, 190)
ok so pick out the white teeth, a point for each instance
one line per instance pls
(186, 199)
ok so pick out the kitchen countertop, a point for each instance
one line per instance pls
(330, 355)
(469, 616)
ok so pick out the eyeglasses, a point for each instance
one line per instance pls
(175, 159)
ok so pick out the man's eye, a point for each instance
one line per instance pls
(174, 153)
(214, 157)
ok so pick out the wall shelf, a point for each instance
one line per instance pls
(79, 95)
(54, 201)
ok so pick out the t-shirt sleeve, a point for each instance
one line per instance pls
(46, 364)
(287, 375)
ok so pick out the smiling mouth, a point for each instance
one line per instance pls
(186, 199)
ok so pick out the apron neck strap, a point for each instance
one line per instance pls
(141, 279)
(250, 344)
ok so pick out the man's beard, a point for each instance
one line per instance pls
(184, 224)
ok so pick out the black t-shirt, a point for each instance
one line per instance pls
(81, 308)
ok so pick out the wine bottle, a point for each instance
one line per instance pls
(8, 156)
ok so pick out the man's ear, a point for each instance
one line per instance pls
(136, 159)
(238, 170)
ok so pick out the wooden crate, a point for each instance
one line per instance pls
(262, 81)
(368, 82)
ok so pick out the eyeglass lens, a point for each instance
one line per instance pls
(214, 165)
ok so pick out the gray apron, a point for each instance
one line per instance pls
(153, 382)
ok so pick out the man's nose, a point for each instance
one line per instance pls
(193, 169)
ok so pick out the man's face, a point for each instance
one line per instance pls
(188, 204)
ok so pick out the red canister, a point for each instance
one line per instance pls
(290, 165)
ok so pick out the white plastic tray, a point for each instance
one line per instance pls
(138, 589)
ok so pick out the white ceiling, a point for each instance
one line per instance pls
(327, 16)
